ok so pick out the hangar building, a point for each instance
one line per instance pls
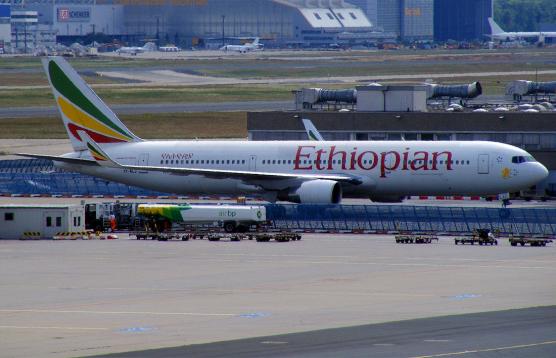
(462, 20)
(192, 22)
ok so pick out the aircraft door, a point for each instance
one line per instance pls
(483, 163)
(143, 159)
(252, 162)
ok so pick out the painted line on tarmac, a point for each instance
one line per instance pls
(521, 346)
(59, 328)
(125, 313)
(392, 257)
(387, 264)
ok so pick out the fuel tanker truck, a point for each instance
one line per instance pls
(233, 218)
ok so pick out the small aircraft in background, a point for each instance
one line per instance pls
(134, 50)
(248, 47)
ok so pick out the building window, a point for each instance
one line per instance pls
(79, 221)
(353, 15)
(317, 16)
(48, 221)
(340, 16)
(74, 221)
(58, 221)
(330, 16)
(9, 216)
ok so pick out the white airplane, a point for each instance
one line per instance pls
(296, 171)
(251, 46)
(498, 34)
(134, 50)
(169, 48)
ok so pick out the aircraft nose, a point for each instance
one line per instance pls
(540, 172)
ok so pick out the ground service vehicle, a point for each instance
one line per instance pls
(233, 218)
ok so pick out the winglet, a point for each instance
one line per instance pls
(311, 130)
(97, 153)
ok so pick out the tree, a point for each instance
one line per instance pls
(524, 15)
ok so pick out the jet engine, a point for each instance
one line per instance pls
(318, 191)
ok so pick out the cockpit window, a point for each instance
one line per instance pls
(522, 159)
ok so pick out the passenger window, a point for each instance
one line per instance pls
(166, 161)
(161, 162)
(243, 162)
(228, 161)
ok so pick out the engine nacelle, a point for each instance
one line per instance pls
(318, 191)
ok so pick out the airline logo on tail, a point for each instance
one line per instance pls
(81, 109)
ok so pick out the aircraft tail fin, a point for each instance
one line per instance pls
(99, 155)
(81, 109)
(255, 41)
(494, 27)
(311, 130)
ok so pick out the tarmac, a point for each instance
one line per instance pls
(80, 298)
(489, 334)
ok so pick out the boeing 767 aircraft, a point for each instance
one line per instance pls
(296, 171)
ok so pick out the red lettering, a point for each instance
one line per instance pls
(405, 160)
(320, 152)
(298, 157)
(373, 161)
(448, 160)
(384, 167)
(352, 159)
(420, 162)
(333, 153)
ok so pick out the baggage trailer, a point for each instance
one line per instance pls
(480, 237)
(214, 234)
(415, 239)
(531, 241)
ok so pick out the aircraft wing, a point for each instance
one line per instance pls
(103, 159)
(79, 161)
